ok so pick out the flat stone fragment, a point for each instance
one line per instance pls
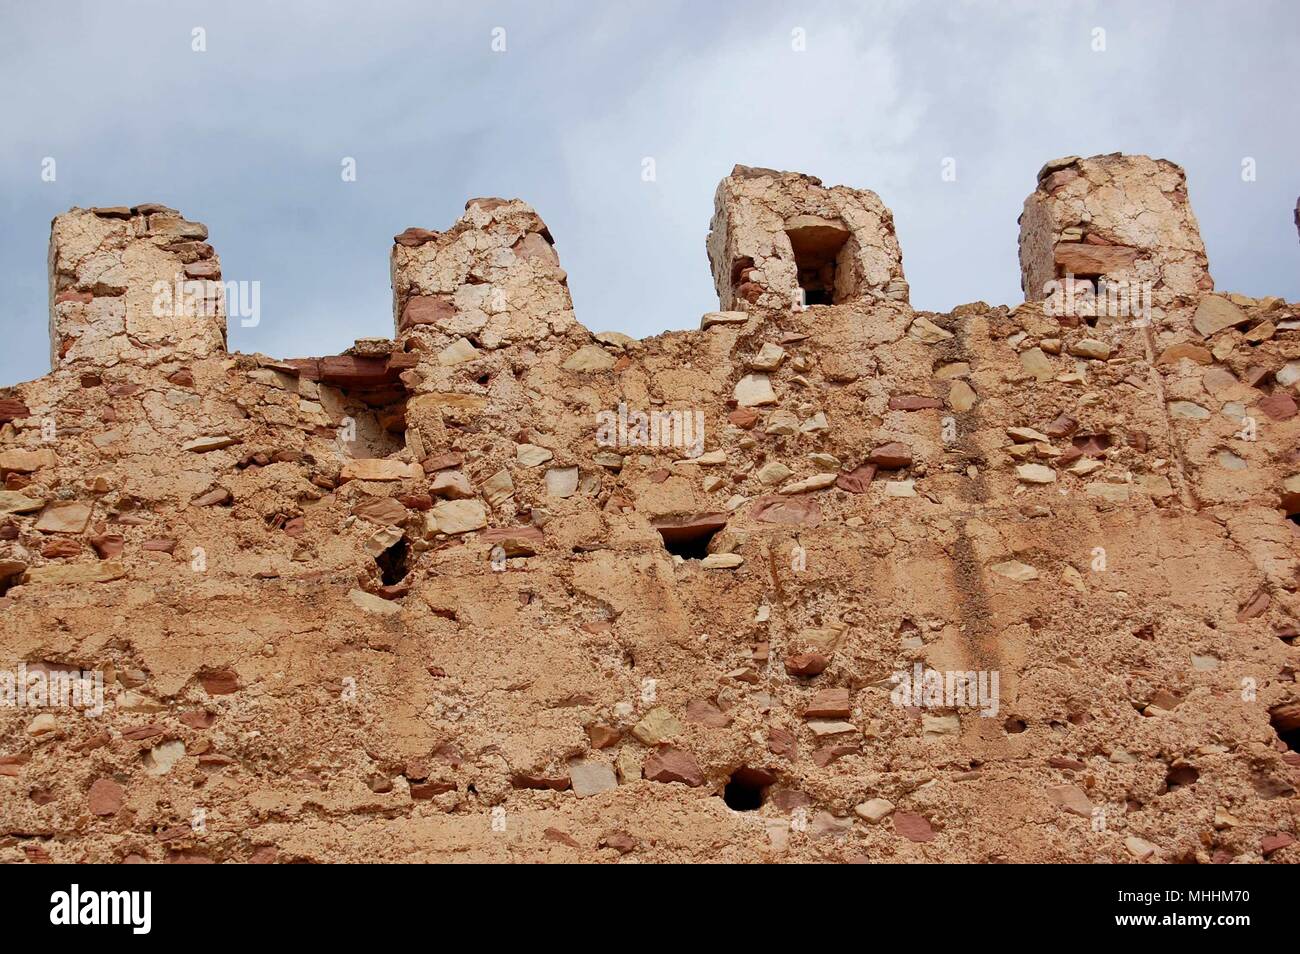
(1185, 351)
(1015, 570)
(458, 352)
(1114, 493)
(656, 726)
(913, 827)
(900, 488)
(1214, 314)
(1188, 410)
(381, 510)
(828, 727)
(516, 541)
(363, 468)
(891, 456)
(12, 501)
(161, 758)
(1037, 364)
(374, 604)
(874, 809)
(1035, 474)
(815, 482)
(754, 390)
(103, 571)
(1026, 435)
(381, 540)
(1090, 348)
(723, 318)
(201, 445)
(774, 472)
(64, 517)
(798, 511)
(1139, 848)
(562, 482)
(913, 402)
(1288, 374)
(590, 358)
(591, 778)
(722, 561)
(857, 480)
(673, 765)
(1072, 799)
(1279, 406)
(457, 516)
(934, 725)
(1079, 258)
(923, 329)
(832, 703)
(498, 488)
(710, 459)
(530, 455)
(769, 357)
(26, 461)
(10, 566)
(961, 397)
(616, 338)
(451, 484)
(105, 797)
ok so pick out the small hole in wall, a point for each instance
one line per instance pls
(738, 269)
(1180, 776)
(393, 563)
(1291, 507)
(688, 537)
(1092, 445)
(746, 789)
(1285, 720)
(1014, 726)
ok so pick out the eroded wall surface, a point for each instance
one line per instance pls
(501, 589)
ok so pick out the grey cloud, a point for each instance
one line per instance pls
(248, 136)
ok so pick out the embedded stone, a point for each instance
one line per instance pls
(457, 516)
(673, 765)
(754, 390)
(589, 359)
(1214, 314)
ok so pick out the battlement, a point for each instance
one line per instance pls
(782, 239)
(139, 284)
(496, 566)
(494, 275)
(133, 284)
(1113, 219)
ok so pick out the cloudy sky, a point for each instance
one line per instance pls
(249, 136)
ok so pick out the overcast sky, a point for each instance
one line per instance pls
(248, 137)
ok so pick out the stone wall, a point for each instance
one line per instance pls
(468, 594)
(766, 222)
(1125, 217)
(494, 277)
(138, 285)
